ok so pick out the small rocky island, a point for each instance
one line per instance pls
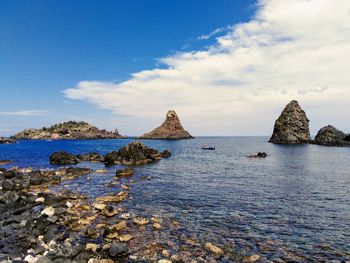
(68, 130)
(292, 126)
(331, 136)
(171, 128)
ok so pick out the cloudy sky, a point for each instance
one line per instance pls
(226, 68)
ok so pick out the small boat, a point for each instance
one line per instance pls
(206, 147)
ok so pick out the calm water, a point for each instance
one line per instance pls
(294, 202)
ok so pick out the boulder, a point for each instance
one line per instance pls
(118, 249)
(292, 126)
(331, 136)
(63, 158)
(171, 128)
(259, 155)
(125, 172)
(3, 162)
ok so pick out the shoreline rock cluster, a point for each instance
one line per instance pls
(135, 153)
(41, 222)
(170, 129)
(292, 127)
(4, 140)
(67, 130)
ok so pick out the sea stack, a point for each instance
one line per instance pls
(292, 126)
(331, 136)
(171, 128)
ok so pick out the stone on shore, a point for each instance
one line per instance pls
(171, 128)
(292, 126)
(331, 136)
(63, 158)
(125, 172)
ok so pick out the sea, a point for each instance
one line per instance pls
(293, 205)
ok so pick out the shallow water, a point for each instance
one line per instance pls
(294, 204)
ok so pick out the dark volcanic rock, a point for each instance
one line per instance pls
(68, 130)
(171, 128)
(330, 136)
(63, 158)
(4, 140)
(133, 153)
(90, 157)
(292, 127)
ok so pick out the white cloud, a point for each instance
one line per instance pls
(26, 113)
(213, 33)
(290, 50)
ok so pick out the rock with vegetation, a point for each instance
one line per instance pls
(68, 130)
(171, 128)
(331, 136)
(292, 126)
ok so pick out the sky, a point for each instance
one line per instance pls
(226, 67)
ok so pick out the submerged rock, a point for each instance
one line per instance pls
(213, 248)
(331, 136)
(171, 128)
(118, 249)
(125, 172)
(63, 158)
(292, 126)
(68, 130)
(259, 155)
(90, 157)
(3, 162)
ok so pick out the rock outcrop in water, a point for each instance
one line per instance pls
(331, 136)
(68, 130)
(4, 140)
(171, 128)
(292, 126)
(135, 153)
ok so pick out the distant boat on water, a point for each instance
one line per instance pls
(206, 147)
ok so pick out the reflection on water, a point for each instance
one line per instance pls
(296, 201)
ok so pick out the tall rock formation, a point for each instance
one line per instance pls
(331, 136)
(68, 130)
(292, 126)
(171, 128)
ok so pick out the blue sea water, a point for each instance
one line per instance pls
(293, 204)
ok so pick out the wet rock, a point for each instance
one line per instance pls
(125, 238)
(157, 226)
(213, 248)
(292, 126)
(330, 136)
(91, 246)
(118, 249)
(164, 261)
(252, 258)
(165, 154)
(171, 128)
(74, 172)
(63, 158)
(109, 211)
(90, 157)
(3, 162)
(141, 221)
(121, 196)
(259, 155)
(125, 172)
(119, 226)
(133, 153)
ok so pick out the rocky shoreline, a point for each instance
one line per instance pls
(42, 222)
(4, 140)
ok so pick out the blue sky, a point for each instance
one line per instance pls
(50, 47)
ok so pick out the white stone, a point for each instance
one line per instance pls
(49, 211)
